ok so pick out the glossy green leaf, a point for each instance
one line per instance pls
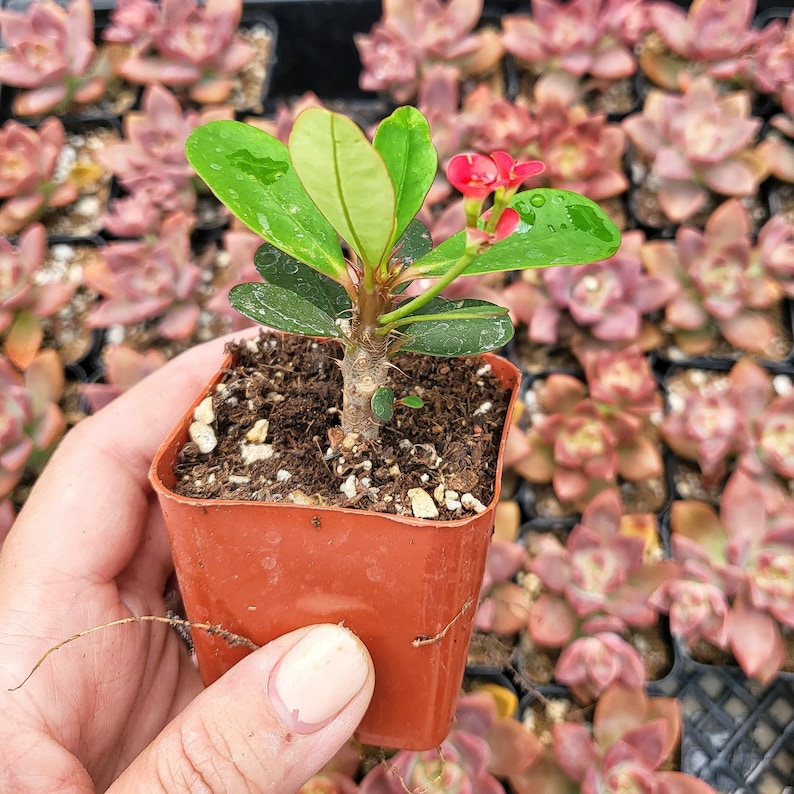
(412, 401)
(463, 332)
(347, 180)
(403, 141)
(281, 269)
(282, 309)
(557, 227)
(382, 404)
(414, 244)
(251, 173)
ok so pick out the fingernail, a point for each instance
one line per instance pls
(318, 677)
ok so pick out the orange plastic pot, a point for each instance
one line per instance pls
(407, 587)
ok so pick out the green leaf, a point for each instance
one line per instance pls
(464, 333)
(281, 269)
(347, 180)
(382, 404)
(557, 227)
(415, 243)
(251, 173)
(282, 309)
(412, 401)
(403, 141)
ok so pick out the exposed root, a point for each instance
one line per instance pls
(212, 629)
(429, 639)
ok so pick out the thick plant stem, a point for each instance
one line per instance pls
(364, 371)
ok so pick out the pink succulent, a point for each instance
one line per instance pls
(28, 180)
(30, 419)
(157, 279)
(722, 286)
(412, 35)
(698, 142)
(24, 300)
(50, 52)
(193, 45)
(582, 37)
(712, 37)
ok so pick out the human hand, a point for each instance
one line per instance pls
(123, 708)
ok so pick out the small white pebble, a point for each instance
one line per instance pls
(203, 436)
(258, 433)
(425, 477)
(282, 475)
(470, 502)
(452, 505)
(483, 370)
(204, 412)
(237, 479)
(62, 252)
(394, 470)
(251, 453)
(350, 486)
(438, 494)
(451, 494)
(252, 346)
(484, 408)
(677, 403)
(422, 504)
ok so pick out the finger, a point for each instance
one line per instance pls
(268, 724)
(89, 509)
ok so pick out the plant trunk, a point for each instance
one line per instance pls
(364, 371)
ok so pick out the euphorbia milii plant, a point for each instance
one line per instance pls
(343, 243)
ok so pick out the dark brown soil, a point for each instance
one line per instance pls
(296, 385)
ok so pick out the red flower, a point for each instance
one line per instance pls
(505, 226)
(474, 175)
(511, 173)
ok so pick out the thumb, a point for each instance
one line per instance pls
(268, 724)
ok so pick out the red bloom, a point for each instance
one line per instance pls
(474, 175)
(511, 173)
(505, 226)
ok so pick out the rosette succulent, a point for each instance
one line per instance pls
(712, 37)
(593, 38)
(412, 35)
(603, 304)
(157, 279)
(737, 576)
(24, 299)
(30, 419)
(182, 43)
(29, 180)
(50, 53)
(725, 283)
(698, 142)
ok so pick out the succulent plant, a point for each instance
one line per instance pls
(504, 605)
(414, 34)
(772, 66)
(626, 751)
(603, 304)
(724, 282)
(50, 52)
(156, 279)
(29, 182)
(134, 215)
(182, 43)
(585, 445)
(30, 419)
(582, 152)
(594, 589)
(593, 38)
(711, 37)
(736, 579)
(151, 160)
(698, 142)
(25, 299)
(458, 766)
(740, 424)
